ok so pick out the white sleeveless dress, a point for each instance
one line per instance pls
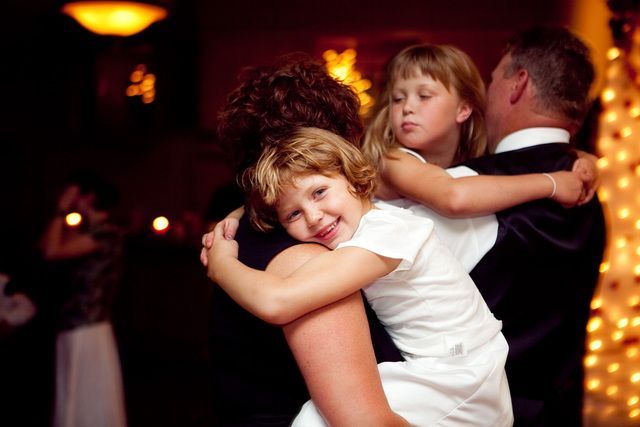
(455, 353)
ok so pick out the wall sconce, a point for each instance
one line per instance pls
(117, 18)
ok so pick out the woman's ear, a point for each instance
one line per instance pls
(463, 113)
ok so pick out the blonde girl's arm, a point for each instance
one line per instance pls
(477, 195)
(326, 278)
(236, 213)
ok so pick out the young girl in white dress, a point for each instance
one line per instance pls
(318, 187)
(432, 109)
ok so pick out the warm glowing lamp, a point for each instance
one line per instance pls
(73, 219)
(160, 225)
(115, 18)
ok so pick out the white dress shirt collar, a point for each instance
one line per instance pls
(531, 137)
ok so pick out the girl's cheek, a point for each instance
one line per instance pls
(395, 119)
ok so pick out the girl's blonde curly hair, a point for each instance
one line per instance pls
(306, 151)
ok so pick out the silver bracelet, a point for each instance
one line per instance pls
(555, 186)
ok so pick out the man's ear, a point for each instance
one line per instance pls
(519, 84)
(464, 111)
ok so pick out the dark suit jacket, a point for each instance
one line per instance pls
(539, 279)
(256, 381)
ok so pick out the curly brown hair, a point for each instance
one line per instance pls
(271, 101)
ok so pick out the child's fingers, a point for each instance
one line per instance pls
(587, 195)
(587, 171)
(218, 230)
(580, 168)
(203, 257)
(230, 229)
(207, 240)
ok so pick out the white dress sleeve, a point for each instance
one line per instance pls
(469, 239)
(396, 234)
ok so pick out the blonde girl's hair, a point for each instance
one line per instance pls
(306, 151)
(456, 71)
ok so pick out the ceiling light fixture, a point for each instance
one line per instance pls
(117, 18)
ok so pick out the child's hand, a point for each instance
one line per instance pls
(221, 250)
(230, 227)
(207, 241)
(586, 169)
(570, 188)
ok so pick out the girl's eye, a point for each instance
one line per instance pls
(319, 192)
(397, 99)
(424, 96)
(293, 215)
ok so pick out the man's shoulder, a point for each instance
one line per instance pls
(538, 158)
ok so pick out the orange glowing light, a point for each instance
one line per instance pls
(613, 53)
(73, 219)
(595, 345)
(593, 384)
(115, 18)
(608, 95)
(137, 75)
(590, 360)
(142, 84)
(160, 224)
(341, 66)
(132, 90)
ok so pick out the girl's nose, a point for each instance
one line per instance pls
(313, 217)
(407, 107)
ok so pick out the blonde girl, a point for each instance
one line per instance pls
(433, 109)
(459, 77)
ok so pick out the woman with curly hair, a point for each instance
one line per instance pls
(256, 381)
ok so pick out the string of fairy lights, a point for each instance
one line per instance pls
(613, 346)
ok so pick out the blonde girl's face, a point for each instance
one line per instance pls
(426, 117)
(320, 209)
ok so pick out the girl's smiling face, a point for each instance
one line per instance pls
(426, 117)
(321, 209)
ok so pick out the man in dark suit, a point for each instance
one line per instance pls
(540, 275)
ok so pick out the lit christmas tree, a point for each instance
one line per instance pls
(613, 344)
